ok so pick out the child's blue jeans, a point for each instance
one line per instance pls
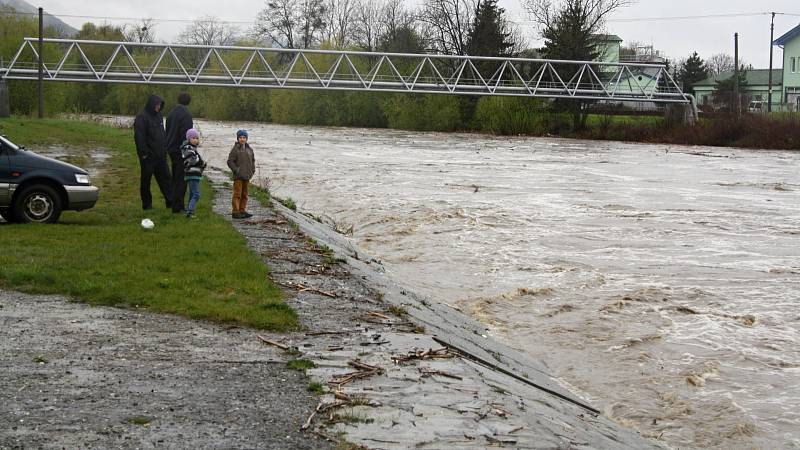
(194, 195)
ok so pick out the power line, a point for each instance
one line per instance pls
(241, 22)
(694, 17)
(128, 19)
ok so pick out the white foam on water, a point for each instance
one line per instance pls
(663, 284)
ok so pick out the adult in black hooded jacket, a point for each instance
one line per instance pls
(179, 121)
(148, 132)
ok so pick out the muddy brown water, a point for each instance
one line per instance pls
(660, 282)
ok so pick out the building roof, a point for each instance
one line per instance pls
(754, 77)
(791, 34)
(608, 38)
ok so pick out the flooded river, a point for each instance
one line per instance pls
(660, 282)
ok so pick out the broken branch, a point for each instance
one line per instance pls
(301, 288)
(320, 333)
(429, 372)
(273, 343)
(377, 314)
(441, 353)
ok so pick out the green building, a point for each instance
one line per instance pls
(785, 81)
(790, 43)
(755, 88)
(608, 46)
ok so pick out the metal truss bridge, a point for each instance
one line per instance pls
(255, 67)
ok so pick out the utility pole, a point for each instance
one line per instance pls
(771, 40)
(736, 75)
(40, 86)
(4, 103)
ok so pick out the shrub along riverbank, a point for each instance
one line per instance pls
(200, 269)
(416, 112)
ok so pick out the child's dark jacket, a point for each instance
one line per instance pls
(242, 161)
(193, 164)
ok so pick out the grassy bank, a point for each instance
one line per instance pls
(200, 269)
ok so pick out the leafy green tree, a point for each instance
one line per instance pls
(692, 71)
(404, 39)
(23, 95)
(489, 34)
(424, 112)
(89, 97)
(724, 91)
(511, 115)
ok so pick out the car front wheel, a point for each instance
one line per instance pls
(37, 203)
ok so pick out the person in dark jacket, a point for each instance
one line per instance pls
(242, 162)
(179, 121)
(148, 132)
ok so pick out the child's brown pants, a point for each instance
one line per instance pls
(240, 195)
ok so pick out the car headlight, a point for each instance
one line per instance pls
(81, 178)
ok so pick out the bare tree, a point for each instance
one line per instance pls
(721, 62)
(292, 23)
(449, 22)
(397, 21)
(143, 30)
(340, 17)
(277, 22)
(517, 37)
(209, 31)
(367, 26)
(395, 17)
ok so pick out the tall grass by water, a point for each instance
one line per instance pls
(779, 132)
(415, 112)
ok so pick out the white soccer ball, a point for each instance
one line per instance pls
(147, 224)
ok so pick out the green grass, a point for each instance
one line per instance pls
(595, 120)
(300, 365)
(316, 387)
(261, 194)
(288, 202)
(201, 269)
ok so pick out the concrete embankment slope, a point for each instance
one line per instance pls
(405, 371)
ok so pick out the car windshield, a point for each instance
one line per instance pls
(7, 143)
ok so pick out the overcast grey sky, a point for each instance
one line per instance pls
(675, 37)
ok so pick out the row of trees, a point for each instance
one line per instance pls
(460, 27)
(694, 69)
(570, 29)
(386, 25)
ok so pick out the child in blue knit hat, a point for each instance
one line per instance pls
(193, 166)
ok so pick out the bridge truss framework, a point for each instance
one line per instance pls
(257, 67)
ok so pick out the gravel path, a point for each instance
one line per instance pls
(74, 375)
